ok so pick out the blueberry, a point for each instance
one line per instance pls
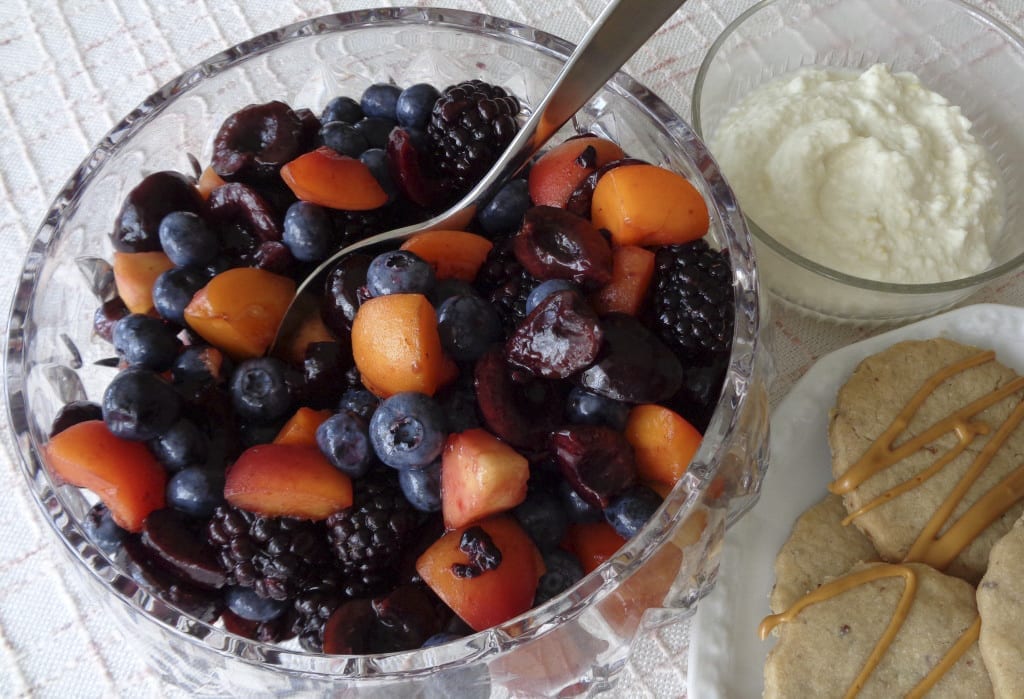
(146, 342)
(576, 508)
(343, 109)
(446, 288)
(380, 100)
(100, 526)
(139, 405)
(468, 326)
(586, 408)
(460, 408)
(504, 213)
(545, 289)
(375, 131)
(543, 518)
(173, 291)
(563, 571)
(260, 389)
(377, 160)
(308, 232)
(181, 445)
(244, 602)
(440, 639)
(422, 487)
(201, 365)
(343, 439)
(186, 239)
(408, 430)
(195, 491)
(343, 138)
(359, 401)
(415, 104)
(399, 272)
(631, 509)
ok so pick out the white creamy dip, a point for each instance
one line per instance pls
(871, 174)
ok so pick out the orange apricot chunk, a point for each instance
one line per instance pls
(134, 274)
(396, 347)
(209, 180)
(124, 474)
(492, 596)
(452, 254)
(285, 480)
(592, 543)
(300, 430)
(558, 172)
(480, 476)
(663, 443)
(648, 205)
(632, 271)
(240, 310)
(330, 179)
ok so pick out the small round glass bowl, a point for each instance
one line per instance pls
(573, 644)
(956, 50)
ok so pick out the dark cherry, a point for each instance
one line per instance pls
(178, 542)
(520, 412)
(324, 370)
(310, 128)
(410, 174)
(136, 228)
(275, 257)
(254, 142)
(237, 204)
(349, 629)
(276, 630)
(582, 197)
(204, 604)
(73, 413)
(106, 317)
(596, 461)
(634, 365)
(406, 617)
(555, 244)
(341, 293)
(560, 336)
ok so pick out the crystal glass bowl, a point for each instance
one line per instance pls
(956, 50)
(571, 645)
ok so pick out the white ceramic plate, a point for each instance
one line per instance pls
(726, 657)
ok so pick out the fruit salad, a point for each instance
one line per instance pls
(462, 427)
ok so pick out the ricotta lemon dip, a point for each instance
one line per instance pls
(871, 174)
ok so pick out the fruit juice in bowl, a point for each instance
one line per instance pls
(494, 454)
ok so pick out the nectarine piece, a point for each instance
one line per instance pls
(560, 170)
(663, 443)
(396, 346)
(283, 480)
(452, 254)
(329, 179)
(300, 430)
(489, 597)
(134, 274)
(632, 271)
(480, 476)
(240, 310)
(648, 205)
(125, 475)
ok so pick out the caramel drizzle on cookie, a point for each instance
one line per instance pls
(863, 577)
(939, 552)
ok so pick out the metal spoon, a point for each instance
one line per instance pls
(622, 28)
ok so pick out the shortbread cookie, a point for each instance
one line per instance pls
(871, 402)
(826, 646)
(819, 547)
(1001, 604)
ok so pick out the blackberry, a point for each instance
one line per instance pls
(276, 556)
(693, 300)
(369, 537)
(353, 226)
(311, 611)
(470, 125)
(503, 281)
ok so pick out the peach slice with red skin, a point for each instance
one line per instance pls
(284, 480)
(492, 596)
(452, 254)
(240, 310)
(480, 476)
(663, 443)
(558, 172)
(336, 181)
(648, 205)
(134, 275)
(125, 475)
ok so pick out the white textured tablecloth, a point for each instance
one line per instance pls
(68, 72)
